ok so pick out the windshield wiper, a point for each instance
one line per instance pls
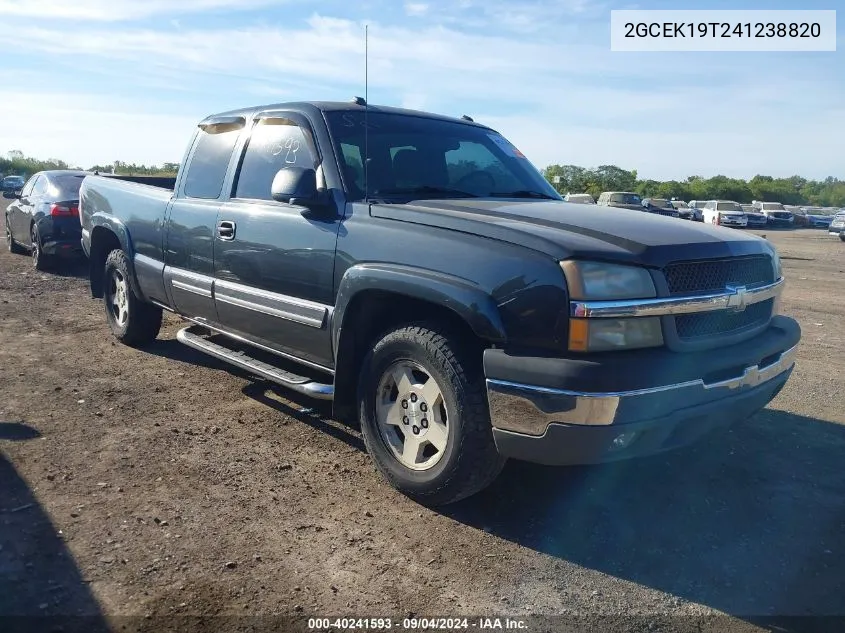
(425, 190)
(523, 193)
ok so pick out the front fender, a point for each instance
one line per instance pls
(469, 301)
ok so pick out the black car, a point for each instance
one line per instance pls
(44, 217)
(12, 183)
(660, 206)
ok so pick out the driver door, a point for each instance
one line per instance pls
(274, 262)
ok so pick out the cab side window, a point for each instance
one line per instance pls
(274, 144)
(210, 160)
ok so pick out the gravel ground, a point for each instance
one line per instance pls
(138, 486)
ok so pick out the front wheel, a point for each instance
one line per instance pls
(842, 236)
(133, 321)
(424, 416)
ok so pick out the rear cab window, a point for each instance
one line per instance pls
(210, 159)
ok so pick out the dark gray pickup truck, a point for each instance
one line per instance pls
(418, 270)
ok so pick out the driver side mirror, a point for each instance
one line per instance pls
(12, 195)
(296, 186)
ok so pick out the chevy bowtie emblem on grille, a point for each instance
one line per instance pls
(738, 299)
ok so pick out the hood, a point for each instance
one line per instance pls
(731, 212)
(565, 230)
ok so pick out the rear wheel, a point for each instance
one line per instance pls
(39, 260)
(11, 244)
(424, 417)
(133, 321)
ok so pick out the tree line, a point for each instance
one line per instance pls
(16, 163)
(829, 192)
(796, 190)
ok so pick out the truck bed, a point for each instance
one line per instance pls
(163, 182)
(139, 200)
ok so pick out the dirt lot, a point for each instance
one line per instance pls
(161, 483)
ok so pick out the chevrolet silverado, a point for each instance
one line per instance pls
(419, 272)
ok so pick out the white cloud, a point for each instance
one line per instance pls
(118, 10)
(88, 129)
(561, 99)
(416, 8)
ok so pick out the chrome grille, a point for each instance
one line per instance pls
(703, 324)
(701, 277)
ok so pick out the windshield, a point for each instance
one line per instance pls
(680, 204)
(660, 203)
(10, 180)
(414, 156)
(728, 206)
(773, 206)
(626, 198)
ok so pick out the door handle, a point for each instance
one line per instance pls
(226, 230)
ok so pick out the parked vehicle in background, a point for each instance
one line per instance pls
(685, 212)
(461, 317)
(724, 213)
(799, 217)
(698, 207)
(579, 198)
(776, 214)
(756, 220)
(44, 217)
(660, 206)
(12, 183)
(837, 223)
(817, 217)
(621, 200)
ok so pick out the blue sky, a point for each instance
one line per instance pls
(92, 81)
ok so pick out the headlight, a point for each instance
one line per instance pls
(602, 335)
(598, 281)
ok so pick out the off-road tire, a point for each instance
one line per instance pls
(142, 321)
(470, 461)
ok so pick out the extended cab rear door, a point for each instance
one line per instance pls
(274, 262)
(189, 248)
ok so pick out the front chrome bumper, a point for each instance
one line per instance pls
(530, 410)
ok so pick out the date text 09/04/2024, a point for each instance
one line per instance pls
(417, 624)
